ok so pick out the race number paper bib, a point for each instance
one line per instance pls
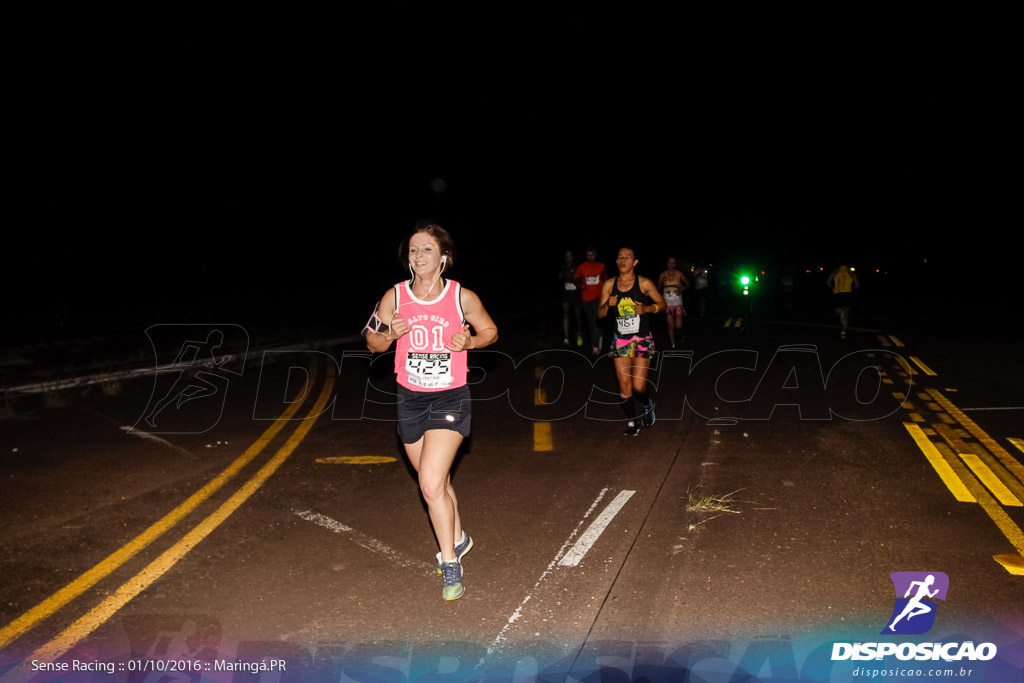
(627, 321)
(628, 325)
(673, 297)
(593, 279)
(429, 370)
(570, 286)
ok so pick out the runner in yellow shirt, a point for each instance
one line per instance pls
(842, 282)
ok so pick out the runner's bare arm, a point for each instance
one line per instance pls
(606, 298)
(648, 288)
(477, 316)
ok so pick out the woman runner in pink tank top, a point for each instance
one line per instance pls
(435, 322)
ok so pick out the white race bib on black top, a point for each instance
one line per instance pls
(628, 325)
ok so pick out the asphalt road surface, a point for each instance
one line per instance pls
(266, 524)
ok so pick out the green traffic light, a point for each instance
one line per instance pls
(744, 280)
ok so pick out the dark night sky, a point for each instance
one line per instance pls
(242, 153)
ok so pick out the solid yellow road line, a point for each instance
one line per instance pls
(945, 472)
(895, 341)
(1008, 461)
(47, 607)
(927, 370)
(990, 480)
(541, 430)
(883, 341)
(105, 610)
(1014, 565)
(1011, 563)
(542, 436)
(955, 439)
(355, 460)
(1019, 443)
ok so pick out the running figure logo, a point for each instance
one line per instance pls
(914, 612)
(198, 376)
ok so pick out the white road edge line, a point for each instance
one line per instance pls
(968, 410)
(519, 610)
(371, 544)
(590, 536)
(152, 437)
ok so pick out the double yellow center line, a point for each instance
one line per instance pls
(983, 473)
(98, 615)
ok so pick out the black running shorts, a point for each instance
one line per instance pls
(842, 299)
(420, 411)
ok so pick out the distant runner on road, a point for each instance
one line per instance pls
(632, 299)
(433, 320)
(672, 283)
(842, 281)
(701, 278)
(590, 277)
(571, 301)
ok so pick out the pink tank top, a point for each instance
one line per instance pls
(423, 361)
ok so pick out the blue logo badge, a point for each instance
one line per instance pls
(916, 593)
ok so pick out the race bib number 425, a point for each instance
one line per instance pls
(429, 370)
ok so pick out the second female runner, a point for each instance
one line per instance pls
(633, 299)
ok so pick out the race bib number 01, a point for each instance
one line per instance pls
(429, 370)
(628, 325)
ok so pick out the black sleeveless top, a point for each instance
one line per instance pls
(627, 323)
